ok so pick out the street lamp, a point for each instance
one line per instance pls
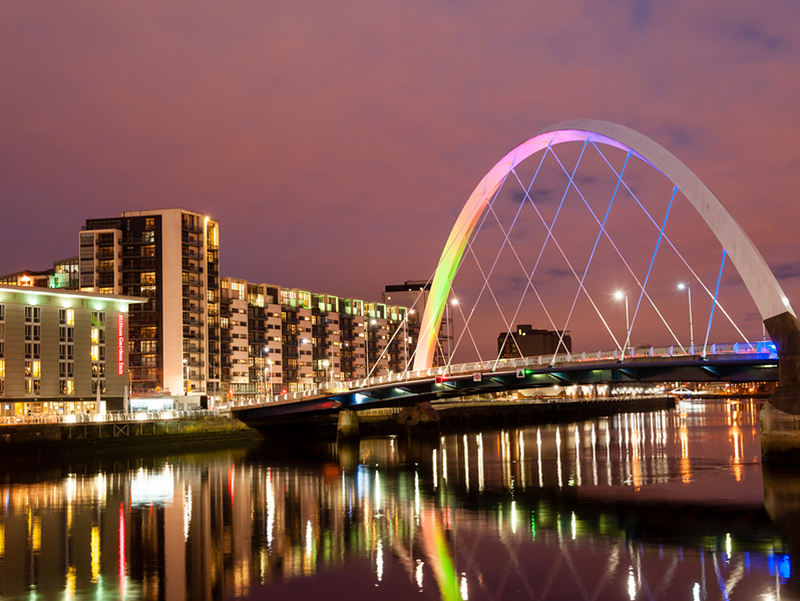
(269, 366)
(619, 295)
(367, 323)
(681, 286)
(186, 369)
(453, 302)
(405, 326)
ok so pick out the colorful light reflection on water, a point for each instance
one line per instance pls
(662, 505)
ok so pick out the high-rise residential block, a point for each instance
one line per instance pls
(171, 258)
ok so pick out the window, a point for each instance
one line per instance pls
(95, 352)
(2, 368)
(150, 224)
(147, 277)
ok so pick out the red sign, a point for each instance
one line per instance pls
(120, 344)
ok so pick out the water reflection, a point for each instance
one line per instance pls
(665, 505)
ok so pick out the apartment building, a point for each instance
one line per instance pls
(297, 339)
(170, 258)
(62, 351)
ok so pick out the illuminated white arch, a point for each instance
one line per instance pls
(760, 282)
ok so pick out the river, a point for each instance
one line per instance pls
(660, 505)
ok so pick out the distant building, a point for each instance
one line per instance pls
(64, 275)
(524, 341)
(59, 349)
(171, 258)
(414, 295)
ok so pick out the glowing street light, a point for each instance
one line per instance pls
(619, 295)
(367, 323)
(453, 302)
(186, 369)
(681, 286)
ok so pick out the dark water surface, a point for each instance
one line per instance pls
(662, 505)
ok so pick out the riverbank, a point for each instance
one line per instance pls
(91, 438)
(470, 413)
(160, 436)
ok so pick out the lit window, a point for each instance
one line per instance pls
(95, 352)
(95, 335)
(37, 369)
(2, 368)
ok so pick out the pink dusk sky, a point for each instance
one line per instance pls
(337, 141)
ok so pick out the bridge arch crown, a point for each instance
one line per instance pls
(756, 275)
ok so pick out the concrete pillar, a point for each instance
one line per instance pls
(780, 417)
(348, 424)
(782, 502)
(349, 451)
(420, 415)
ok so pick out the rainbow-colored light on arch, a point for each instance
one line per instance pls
(755, 273)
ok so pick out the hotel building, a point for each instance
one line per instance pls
(62, 351)
(171, 258)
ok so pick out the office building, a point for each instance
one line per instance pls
(171, 258)
(524, 341)
(414, 295)
(62, 351)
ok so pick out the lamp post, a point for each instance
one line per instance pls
(367, 323)
(269, 366)
(186, 369)
(325, 364)
(691, 327)
(619, 295)
(265, 351)
(405, 348)
(453, 302)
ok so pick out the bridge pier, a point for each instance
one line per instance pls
(780, 416)
(348, 425)
(420, 415)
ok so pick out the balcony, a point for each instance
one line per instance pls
(192, 322)
(193, 335)
(188, 227)
(188, 267)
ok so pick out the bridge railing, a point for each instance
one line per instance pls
(111, 417)
(327, 388)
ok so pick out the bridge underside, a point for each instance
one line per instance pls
(758, 367)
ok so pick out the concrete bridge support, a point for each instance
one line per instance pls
(348, 425)
(420, 415)
(780, 417)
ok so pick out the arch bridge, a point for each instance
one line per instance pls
(422, 381)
